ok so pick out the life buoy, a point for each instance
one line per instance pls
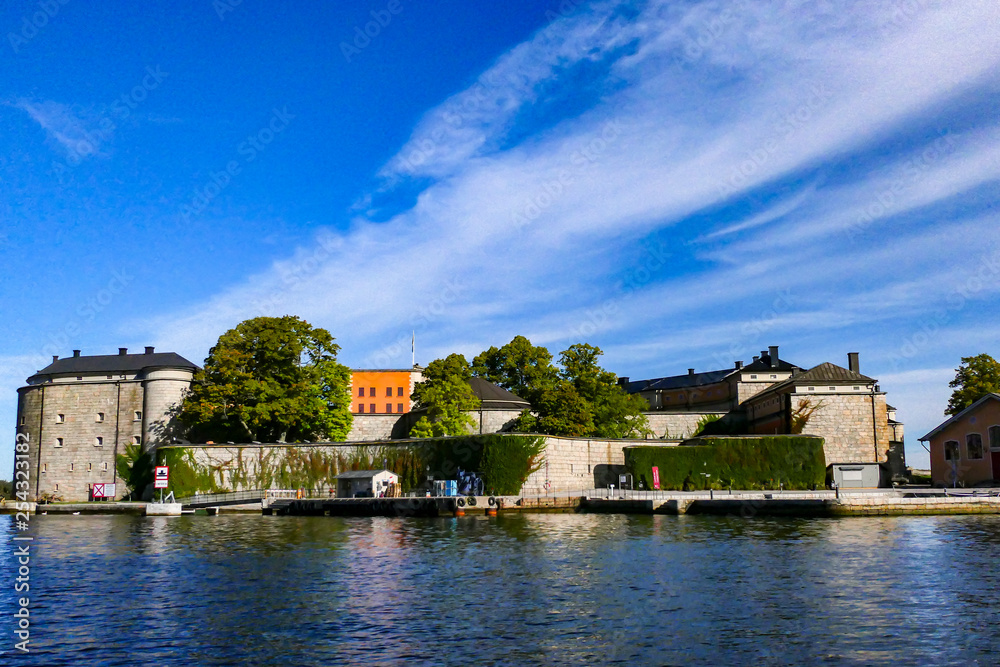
(472, 501)
(460, 502)
(492, 501)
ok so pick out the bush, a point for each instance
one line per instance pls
(797, 462)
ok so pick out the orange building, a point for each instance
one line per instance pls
(383, 391)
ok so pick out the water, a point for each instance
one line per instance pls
(523, 590)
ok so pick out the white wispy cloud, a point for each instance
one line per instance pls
(750, 154)
(76, 132)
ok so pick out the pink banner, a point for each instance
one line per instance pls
(656, 477)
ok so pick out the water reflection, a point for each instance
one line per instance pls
(529, 589)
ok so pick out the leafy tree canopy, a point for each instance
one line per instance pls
(270, 379)
(578, 399)
(974, 378)
(447, 395)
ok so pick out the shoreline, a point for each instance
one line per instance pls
(807, 504)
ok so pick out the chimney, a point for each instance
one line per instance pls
(739, 365)
(122, 351)
(691, 372)
(149, 349)
(623, 381)
(852, 362)
(55, 358)
(76, 353)
(755, 357)
(774, 355)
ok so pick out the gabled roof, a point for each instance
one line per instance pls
(825, 373)
(960, 415)
(763, 365)
(114, 363)
(493, 397)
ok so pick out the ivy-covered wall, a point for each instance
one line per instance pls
(504, 460)
(796, 462)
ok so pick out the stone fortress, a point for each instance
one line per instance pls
(79, 413)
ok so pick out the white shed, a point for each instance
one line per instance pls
(364, 483)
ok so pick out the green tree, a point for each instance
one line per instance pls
(616, 413)
(974, 378)
(580, 399)
(518, 367)
(447, 396)
(270, 379)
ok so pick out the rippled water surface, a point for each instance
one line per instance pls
(543, 589)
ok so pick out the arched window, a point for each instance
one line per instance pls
(994, 438)
(951, 450)
(974, 445)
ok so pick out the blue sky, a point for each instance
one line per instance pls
(681, 184)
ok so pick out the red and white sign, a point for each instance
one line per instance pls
(161, 477)
(102, 490)
(656, 477)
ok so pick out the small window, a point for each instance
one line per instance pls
(388, 407)
(399, 407)
(22, 420)
(812, 388)
(137, 417)
(98, 441)
(104, 466)
(45, 467)
(974, 445)
(90, 467)
(361, 408)
(753, 377)
(372, 406)
(774, 377)
(361, 392)
(60, 419)
(122, 376)
(371, 392)
(57, 487)
(110, 376)
(994, 438)
(72, 466)
(399, 391)
(137, 439)
(100, 417)
(951, 450)
(79, 377)
(832, 388)
(388, 391)
(59, 442)
(857, 389)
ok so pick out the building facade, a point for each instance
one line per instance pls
(383, 391)
(79, 413)
(772, 396)
(965, 449)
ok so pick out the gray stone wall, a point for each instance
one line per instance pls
(676, 425)
(845, 423)
(68, 471)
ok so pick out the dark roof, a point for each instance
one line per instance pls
(825, 373)
(496, 398)
(762, 364)
(115, 363)
(960, 415)
(361, 474)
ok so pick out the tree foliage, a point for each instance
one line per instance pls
(976, 377)
(578, 399)
(270, 379)
(447, 396)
